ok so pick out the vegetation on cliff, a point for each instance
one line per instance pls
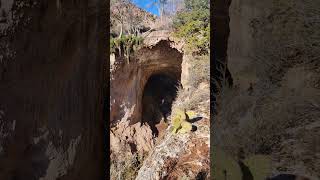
(193, 25)
(125, 45)
(126, 38)
(128, 22)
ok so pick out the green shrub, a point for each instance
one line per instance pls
(127, 168)
(193, 25)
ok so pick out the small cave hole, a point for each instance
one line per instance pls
(159, 93)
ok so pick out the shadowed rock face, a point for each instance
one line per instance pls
(51, 90)
(220, 28)
(158, 95)
(287, 177)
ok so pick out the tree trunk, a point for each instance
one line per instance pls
(121, 29)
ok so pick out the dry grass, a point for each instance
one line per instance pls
(197, 97)
(126, 169)
(200, 71)
(266, 123)
(191, 100)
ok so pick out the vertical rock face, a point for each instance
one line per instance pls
(273, 56)
(51, 89)
(242, 42)
(260, 29)
(220, 19)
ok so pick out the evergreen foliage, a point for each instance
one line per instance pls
(193, 25)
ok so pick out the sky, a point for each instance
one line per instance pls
(144, 5)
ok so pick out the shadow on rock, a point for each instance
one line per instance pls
(196, 119)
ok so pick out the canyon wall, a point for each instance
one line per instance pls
(52, 69)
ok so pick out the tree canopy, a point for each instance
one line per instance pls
(193, 25)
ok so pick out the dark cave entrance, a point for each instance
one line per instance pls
(159, 93)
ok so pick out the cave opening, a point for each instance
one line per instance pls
(159, 93)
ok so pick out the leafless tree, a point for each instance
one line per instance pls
(167, 9)
(127, 17)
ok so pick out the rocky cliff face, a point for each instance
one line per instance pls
(128, 80)
(182, 156)
(128, 88)
(51, 89)
(127, 16)
(273, 56)
(137, 124)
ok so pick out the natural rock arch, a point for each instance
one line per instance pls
(158, 64)
(129, 80)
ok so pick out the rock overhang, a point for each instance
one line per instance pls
(157, 58)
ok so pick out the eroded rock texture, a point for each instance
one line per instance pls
(182, 156)
(129, 93)
(128, 80)
(155, 73)
(51, 89)
(273, 56)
